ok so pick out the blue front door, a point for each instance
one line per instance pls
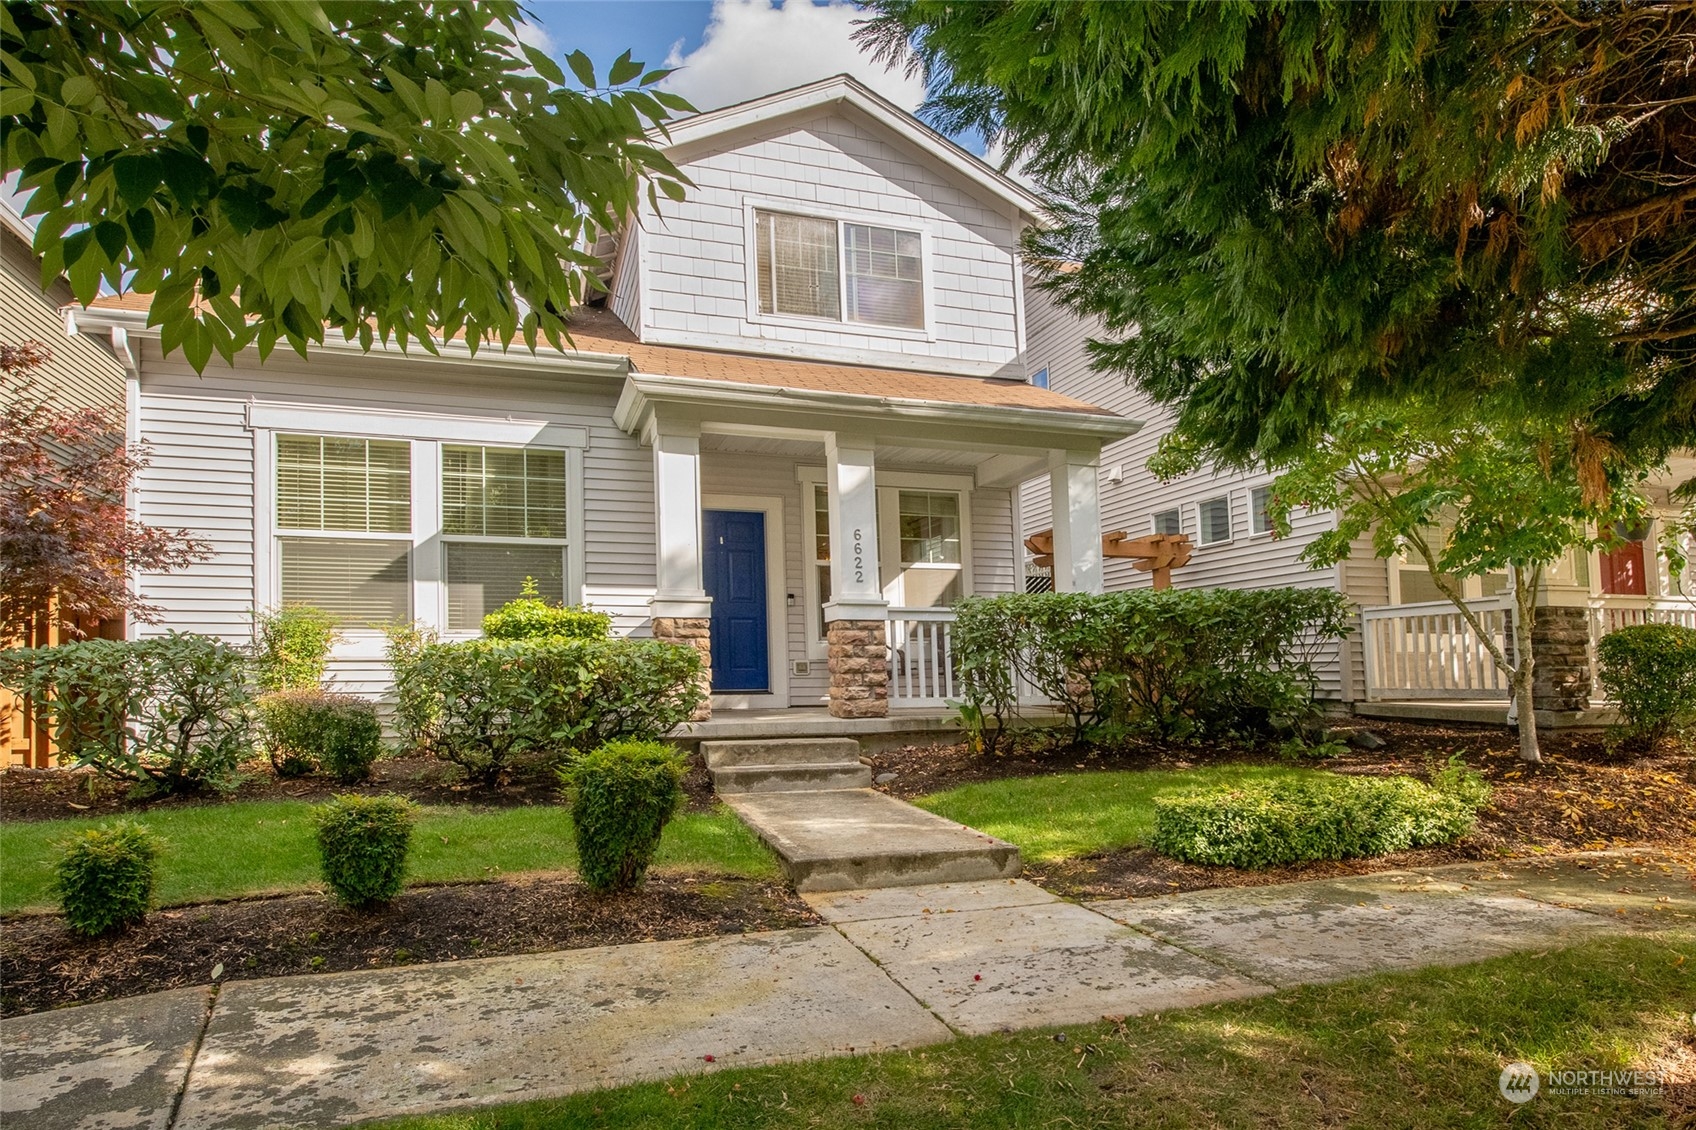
(735, 576)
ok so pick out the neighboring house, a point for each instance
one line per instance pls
(1412, 646)
(794, 432)
(81, 373)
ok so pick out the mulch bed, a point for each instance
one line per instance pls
(52, 794)
(43, 966)
(1585, 796)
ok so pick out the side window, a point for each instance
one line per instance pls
(1213, 519)
(1168, 522)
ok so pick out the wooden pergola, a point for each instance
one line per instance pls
(1158, 554)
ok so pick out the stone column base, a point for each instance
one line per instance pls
(696, 631)
(859, 668)
(1560, 645)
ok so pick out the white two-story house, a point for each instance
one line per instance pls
(794, 431)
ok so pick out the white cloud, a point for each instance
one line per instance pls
(752, 48)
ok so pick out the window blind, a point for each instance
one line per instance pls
(482, 576)
(336, 483)
(512, 492)
(885, 276)
(797, 265)
(362, 581)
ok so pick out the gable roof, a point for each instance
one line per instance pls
(846, 90)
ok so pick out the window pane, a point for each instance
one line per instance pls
(930, 528)
(1215, 516)
(482, 577)
(1168, 522)
(824, 594)
(334, 483)
(1258, 501)
(821, 525)
(795, 257)
(510, 492)
(885, 276)
(363, 582)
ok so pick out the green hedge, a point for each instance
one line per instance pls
(622, 796)
(308, 730)
(1649, 671)
(1274, 823)
(532, 618)
(1177, 662)
(173, 713)
(489, 701)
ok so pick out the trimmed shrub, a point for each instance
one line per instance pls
(1179, 663)
(173, 713)
(1270, 824)
(1649, 671)
(362, 847)
(416, 703)
(622, 796)
(291, 647)
(104, 877)
(307, 730)
(532, 618)
(493, 700)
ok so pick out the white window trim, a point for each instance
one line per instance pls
(427, 434)
(889, 545)
(777, 610)
(840, 216)
(1230, 520)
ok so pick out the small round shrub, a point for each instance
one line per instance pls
(291, 647)
(532, 618)
(622, 795)
(104, 877)
(1649, 671)
(306, 730)
(362, 847)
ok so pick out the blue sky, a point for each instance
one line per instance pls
(726, 50)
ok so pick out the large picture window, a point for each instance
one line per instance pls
(344, 524)
(503, 521)
(850, 272)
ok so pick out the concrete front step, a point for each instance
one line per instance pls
(852, 839)
(791, 778)
(780, 751)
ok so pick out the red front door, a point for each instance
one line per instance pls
(1622, 571)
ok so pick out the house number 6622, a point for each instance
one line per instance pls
(859, 557)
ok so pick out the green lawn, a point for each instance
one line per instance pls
(220, 851)
(1420, 1051)
(1072, 814)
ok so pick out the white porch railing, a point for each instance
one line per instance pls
(1428, 650)
(921, 656)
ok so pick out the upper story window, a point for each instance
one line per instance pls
(817, 268)
(1168, 522)
(1214, 519)
(1260, 510)
(1040, 377)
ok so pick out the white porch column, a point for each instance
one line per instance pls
(855, 615)
(1076, 512)
(681, 610)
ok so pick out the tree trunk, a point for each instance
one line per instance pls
(1525, 664)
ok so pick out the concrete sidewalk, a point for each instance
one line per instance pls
(898, 967)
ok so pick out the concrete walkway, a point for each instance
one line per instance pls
(898, 967)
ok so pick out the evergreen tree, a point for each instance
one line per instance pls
(1285, 210)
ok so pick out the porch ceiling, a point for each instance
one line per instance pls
(888, 455)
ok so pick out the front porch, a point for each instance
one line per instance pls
(812, 545)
